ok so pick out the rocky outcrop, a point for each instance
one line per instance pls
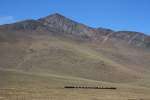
(134, 38)
(66, 25)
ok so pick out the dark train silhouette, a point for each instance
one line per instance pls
(90, 87)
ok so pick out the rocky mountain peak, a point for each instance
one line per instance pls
(66, 26)
(55, 16)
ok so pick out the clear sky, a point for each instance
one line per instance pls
(132, 15)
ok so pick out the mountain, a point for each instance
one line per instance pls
(39, 57)
(56, 45)
(69, 27)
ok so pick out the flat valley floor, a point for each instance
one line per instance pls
(23, 86)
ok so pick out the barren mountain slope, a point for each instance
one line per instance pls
(57, 45)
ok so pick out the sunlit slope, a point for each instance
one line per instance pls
(62, 56)
(24, 80)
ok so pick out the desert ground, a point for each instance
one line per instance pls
(24, 86)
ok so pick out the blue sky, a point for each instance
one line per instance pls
(132, 15)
